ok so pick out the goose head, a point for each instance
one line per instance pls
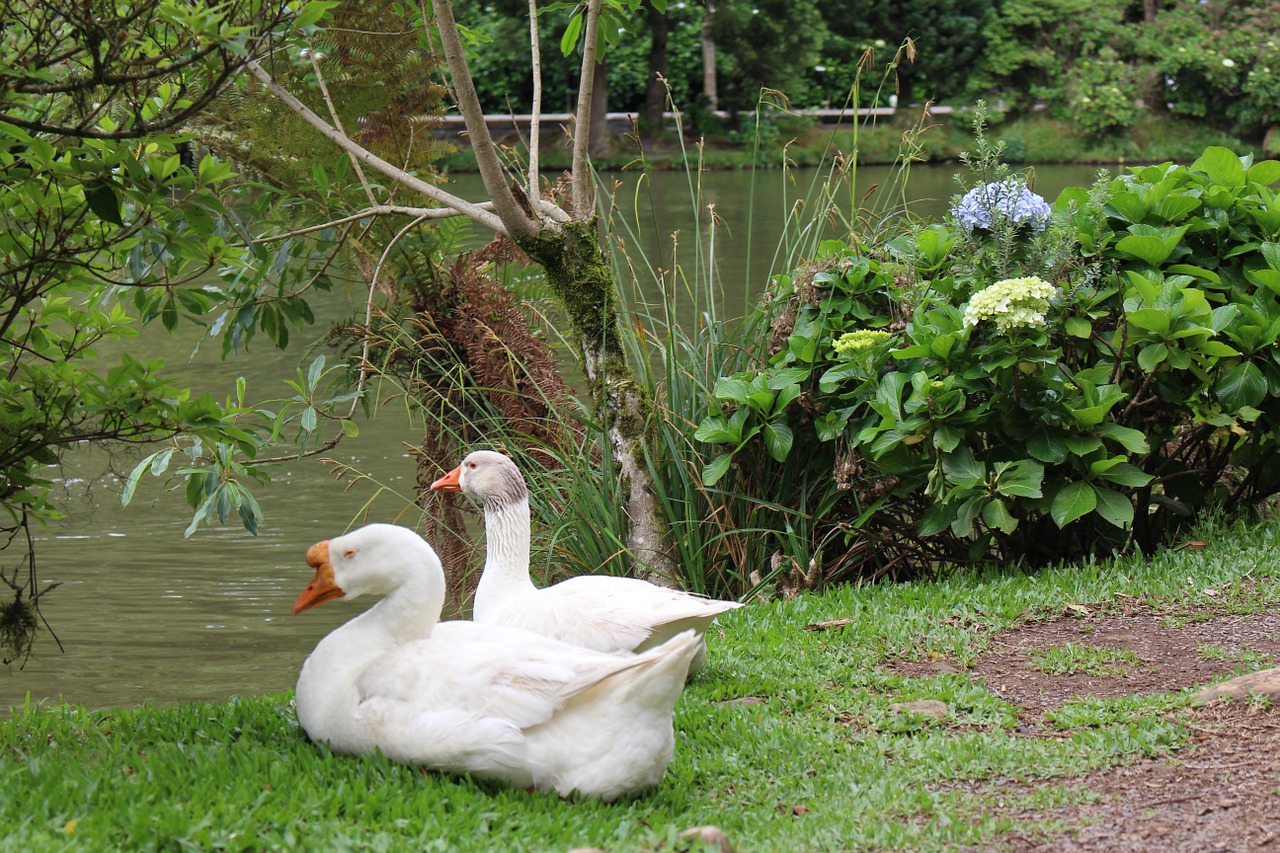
(377, 559)
(487, 476)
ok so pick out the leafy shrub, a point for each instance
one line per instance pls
(1100, 95)
(1220, 63)
(1013, 387)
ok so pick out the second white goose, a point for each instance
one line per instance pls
(598, 612)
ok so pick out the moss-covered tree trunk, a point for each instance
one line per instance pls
(583, 281)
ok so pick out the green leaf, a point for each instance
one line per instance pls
(1145, 247)
(131, 482)
(312, 12)
(1022, 480)
(315, 372)
(1241, 386)
(1151, 357)
(1265, 172)
(714, 429)
(1046, 447)
(1072, 502)
(350, 428)
(733, 388)
(1078, 327)
(1218, 349)
(309, 419)
(966, 514)
(946, 438)
(716, 468)
(1223, 167)
(1151, 319)
(1082, 445)
(936, 519)
(997, 515)
(1174, 207)
(777, 440)
(785, 396)
(1124, 474)
(103, 198)
(962, 468)
(1114, 507)
(1131, 440)
(569, 41)
(780, 379)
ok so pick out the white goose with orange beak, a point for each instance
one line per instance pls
(495, 702)
(598, 612)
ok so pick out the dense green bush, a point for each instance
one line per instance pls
(1027, 383)
(1220, 63)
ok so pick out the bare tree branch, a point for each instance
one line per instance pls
(474, 211)
(514, 217)
(419, 213)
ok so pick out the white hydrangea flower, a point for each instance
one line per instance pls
(1011, 303)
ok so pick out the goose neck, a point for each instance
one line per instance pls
(507, 539)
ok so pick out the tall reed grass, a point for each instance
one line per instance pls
(772, 529)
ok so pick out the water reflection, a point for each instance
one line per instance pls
(146, 616)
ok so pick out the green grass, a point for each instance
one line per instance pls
(821, 763)
(1072, 658)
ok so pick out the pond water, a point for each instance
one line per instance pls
(146, 616)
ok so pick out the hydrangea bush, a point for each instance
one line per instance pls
(1084, 380)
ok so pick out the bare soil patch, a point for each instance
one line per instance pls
(1169, 657)
(1220, 792)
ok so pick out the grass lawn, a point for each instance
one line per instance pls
(786, 741)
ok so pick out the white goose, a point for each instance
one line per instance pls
(598, 612)
(495, 702)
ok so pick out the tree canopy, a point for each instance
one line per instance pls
(106, 225)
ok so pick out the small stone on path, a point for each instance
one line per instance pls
(709, 835)
(1265, 682)
(924, 707)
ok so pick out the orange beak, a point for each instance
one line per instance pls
(449, 482)
(322, 587)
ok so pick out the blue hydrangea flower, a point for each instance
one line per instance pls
(987, 205)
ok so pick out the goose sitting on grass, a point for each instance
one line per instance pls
(598, 612)
(495, 702)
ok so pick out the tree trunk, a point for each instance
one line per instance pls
(655, 91)
(598, 141)
(583, 282)
(709, 60)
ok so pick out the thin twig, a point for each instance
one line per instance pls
(376, 210)
(337, 122)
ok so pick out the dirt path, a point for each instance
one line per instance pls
(1220, 792)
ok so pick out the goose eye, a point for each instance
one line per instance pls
(349, 553)
(472, 466)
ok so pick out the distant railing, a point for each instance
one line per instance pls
(623, 121)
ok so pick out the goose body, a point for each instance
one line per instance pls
(599, 612)
(499, 703)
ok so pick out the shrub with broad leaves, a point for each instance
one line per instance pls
(1028, 394)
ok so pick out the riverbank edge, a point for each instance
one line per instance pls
(800, 141)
